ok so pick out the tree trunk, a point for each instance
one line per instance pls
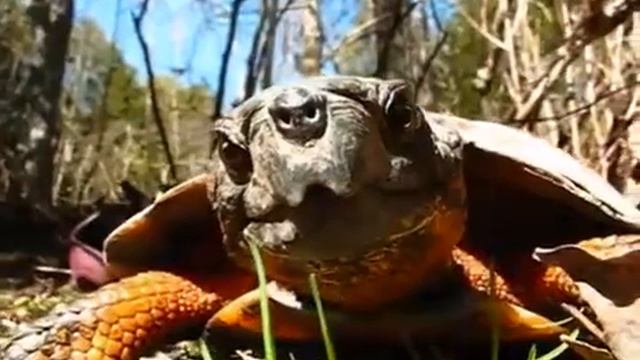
(30, 89)
(312, 39)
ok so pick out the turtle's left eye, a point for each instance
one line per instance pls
(237, 161)
(400, 112)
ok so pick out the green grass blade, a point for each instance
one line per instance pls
(533, 352)
(493, 313)
(265, 315)
(560, 349)
(324, 328)
(204, 350)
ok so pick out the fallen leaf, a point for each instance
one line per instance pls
(607, 272)
(586, 350)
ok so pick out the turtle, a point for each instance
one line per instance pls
(411, 221)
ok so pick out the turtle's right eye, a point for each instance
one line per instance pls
(237, 161)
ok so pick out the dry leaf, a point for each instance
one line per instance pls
(607, 271)
(586, 350)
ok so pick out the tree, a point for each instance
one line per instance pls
(30, 90)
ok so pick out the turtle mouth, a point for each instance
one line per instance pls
(327, 226)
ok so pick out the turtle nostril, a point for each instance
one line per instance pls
(309, 110)
(299, 115)
(281, 114)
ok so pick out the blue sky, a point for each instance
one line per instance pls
(192, 34)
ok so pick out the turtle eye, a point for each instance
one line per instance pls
(400, 112)
(236, 160)
(401, 117)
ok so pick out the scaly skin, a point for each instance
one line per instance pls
(533, 284)
(117, 322)
(122, 320)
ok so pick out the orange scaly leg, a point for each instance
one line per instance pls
(117, 322)
(527, 282)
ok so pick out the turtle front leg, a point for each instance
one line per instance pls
(120, 321)
(528, 283)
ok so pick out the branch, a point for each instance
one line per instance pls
(398, 19)
(226, 56)
(362, 31)
(266, 53)
(252, 71)
(155, 108)
(602, 96)
(595, 26)
(424, 69)
(102, 121)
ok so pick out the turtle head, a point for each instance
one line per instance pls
(338, 176)
(330, 172)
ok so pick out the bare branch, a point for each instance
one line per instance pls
(383, 55)
(592, 28)
(155, 108)
(255, 60)
(602, 96)
(226, 56)
(435, 16)
(266, 53)
(424, 69)
(103, 115)
(360, 32)
(252, 71)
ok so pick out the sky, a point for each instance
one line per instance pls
(182, 34)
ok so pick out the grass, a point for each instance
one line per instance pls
(555, 353)
(269, 340)
(267, 334)
(204, 350)
(495, 321)
(324, 327)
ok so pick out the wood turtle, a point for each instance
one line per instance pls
(401, 213)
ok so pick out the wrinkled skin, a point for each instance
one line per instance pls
(301, 164)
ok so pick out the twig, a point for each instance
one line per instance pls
(569, 51)
(582, 319)
(226, 55)
(602, 96)
(398, 19)
(51, 270)
(435, 16)
(265, 63)
(102, 120)
(360, 32)
(266, 53)
(155, 108)
(266, 49)
(424, 69)
(252, 71)
(490, 37)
